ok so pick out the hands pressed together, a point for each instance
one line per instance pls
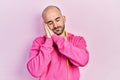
(48, 32)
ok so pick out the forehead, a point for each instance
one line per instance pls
(51, 14)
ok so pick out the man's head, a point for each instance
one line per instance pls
(53, 17)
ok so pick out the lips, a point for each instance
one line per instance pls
(56, 30)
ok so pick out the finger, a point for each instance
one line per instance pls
(45, 27)
(49, 30)
(46, 30)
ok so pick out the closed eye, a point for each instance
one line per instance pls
(49, 22)
(57, 19)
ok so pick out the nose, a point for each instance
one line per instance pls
(55, 24)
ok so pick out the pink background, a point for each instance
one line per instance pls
(97, 20)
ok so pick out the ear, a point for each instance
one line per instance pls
(64, 19)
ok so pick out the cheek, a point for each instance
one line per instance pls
(62, 23)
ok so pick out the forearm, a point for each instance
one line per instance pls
(77, 55)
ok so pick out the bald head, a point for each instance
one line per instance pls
(54, 19)
(50, 9)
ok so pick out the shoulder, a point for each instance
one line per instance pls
(39, 40)
(77, 40)
(72, 36)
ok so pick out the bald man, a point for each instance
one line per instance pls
(58, 54)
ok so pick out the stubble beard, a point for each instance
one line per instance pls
(55, 30)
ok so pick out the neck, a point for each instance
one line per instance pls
(64, 34)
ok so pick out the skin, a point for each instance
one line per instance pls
(54, 21)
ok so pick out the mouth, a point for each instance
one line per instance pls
(56, 30)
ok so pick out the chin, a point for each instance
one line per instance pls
(58, 33)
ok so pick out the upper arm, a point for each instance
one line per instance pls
(36, 44)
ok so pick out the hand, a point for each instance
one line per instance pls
(48, 32)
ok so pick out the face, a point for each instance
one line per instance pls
(55, 21)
